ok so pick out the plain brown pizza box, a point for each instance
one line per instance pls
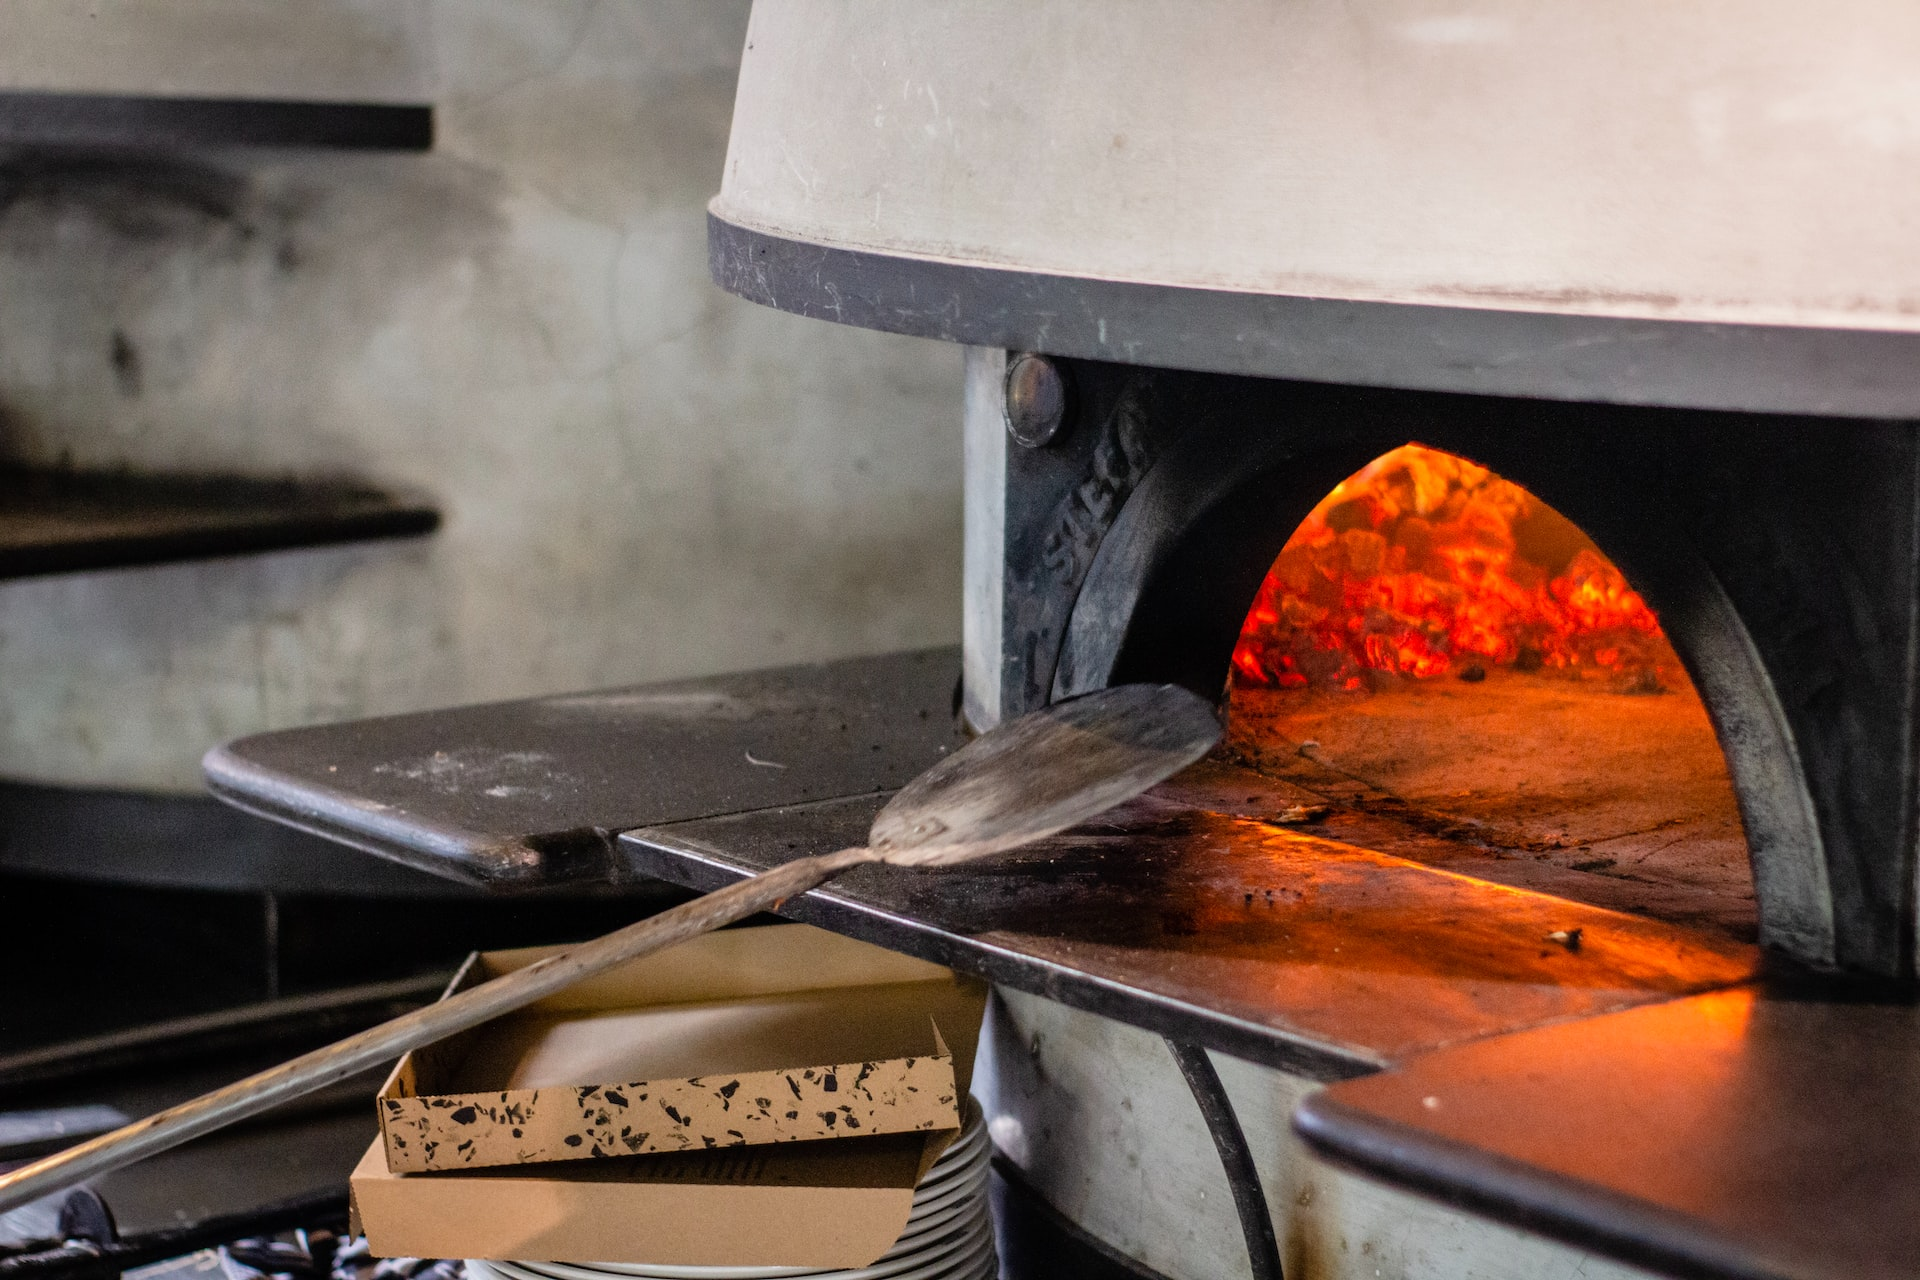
(830, 1204)
(744, 1037)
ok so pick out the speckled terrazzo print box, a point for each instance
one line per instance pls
(778, 1034)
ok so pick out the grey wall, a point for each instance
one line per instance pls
(642, 477)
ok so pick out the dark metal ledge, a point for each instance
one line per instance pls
(1752, 1134)
(119, 120)
(887, 909)
(1533, 354)
(528, 794)
(61, 521)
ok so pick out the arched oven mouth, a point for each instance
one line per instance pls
(1441, 666)
(1132, 543)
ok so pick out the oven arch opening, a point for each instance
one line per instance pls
(1449, 669)
(1169, 587)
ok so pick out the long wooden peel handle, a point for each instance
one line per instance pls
(322, 1067)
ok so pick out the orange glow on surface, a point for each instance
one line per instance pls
(1423, 564)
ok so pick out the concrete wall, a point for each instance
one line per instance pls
(641, 476)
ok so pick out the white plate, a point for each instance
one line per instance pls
(927, 1192)
(958, 1189)
(986, 1268)
(954, 1260)
(979, 1156)
(562, 1270)
(932, 1187)
(974, 1154)
(956, 1195)
(601, 1270)
(942, 1173)
(959, 1215)
(974, 1135)
(951, 1258)
(971, 1132)
(928, 1246)
(962, 1223)
(917, 1227)
(912, 1263)
(989, 1268)
(971, 1135)
(658, 1271)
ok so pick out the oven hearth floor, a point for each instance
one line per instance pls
(1618, 797)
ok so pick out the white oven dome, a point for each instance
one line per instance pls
(1754, 162)
(1722, 164)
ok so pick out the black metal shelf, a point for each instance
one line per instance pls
(65, 521)
(122, 120)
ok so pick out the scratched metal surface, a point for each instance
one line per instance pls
(1257, 939)
(529, 793)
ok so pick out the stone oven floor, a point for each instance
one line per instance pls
(1617, 799)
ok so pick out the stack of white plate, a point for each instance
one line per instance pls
(949, 1236)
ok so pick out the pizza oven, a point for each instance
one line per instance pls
(1507, 416)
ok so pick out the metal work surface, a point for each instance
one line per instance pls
(1741, 1135)
(530, 793)
(55, 521)
(1180, 914)
(123, 120)
(1284, 948)
(1549, 355)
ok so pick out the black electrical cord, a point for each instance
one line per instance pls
(1236, 1158)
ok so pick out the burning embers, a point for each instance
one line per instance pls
(1442, 667)
(1423, 565)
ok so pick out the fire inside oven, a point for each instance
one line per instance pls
(1440, 666)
